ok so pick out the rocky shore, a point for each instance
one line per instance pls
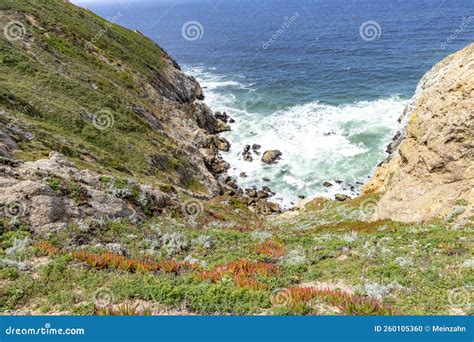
(164, 135)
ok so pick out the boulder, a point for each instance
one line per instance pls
(222, 126)
(26, 196)
(222, 116)
(271, 156)
(341, 197)
(247, 157)
(221, 144)
(206, 120)
(246, 154)
(273, 207)
(251, 192)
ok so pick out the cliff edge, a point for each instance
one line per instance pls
(430, 171)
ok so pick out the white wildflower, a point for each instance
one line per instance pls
(349, 237)
(379, 291)
(174, 243)
(204, 241)
(295, 257)
(469, 263)
(403, 262)
(261, 236)
(19, 246)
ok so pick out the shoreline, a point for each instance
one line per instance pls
(334, 188)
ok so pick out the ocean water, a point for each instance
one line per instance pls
(323, 81)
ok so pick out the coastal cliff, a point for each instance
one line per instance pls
(430, 172)
(114, 198)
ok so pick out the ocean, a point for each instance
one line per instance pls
(323, 81)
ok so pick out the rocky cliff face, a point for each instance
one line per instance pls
(106, 97)
(430, 172)
(89, 113)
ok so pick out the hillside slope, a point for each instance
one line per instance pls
(107, 97)
(431, 169)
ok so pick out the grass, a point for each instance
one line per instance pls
(75, 66)
(385, 269)
(69, 188)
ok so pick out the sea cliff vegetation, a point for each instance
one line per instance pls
(113, 203)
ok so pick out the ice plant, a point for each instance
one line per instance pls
(46, 247)
(243, 272)
(350, 304)
(111, 260)
(271, 249)
(122, 310)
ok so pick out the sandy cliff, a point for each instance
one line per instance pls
(430, 172)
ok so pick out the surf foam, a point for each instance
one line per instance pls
(319, 142)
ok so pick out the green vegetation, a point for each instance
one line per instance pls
(69, 188)
(78, 84)
(82, 86)
(317, 262)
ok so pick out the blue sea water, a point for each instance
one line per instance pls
(324, 81)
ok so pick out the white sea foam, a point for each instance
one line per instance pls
(319, 142)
